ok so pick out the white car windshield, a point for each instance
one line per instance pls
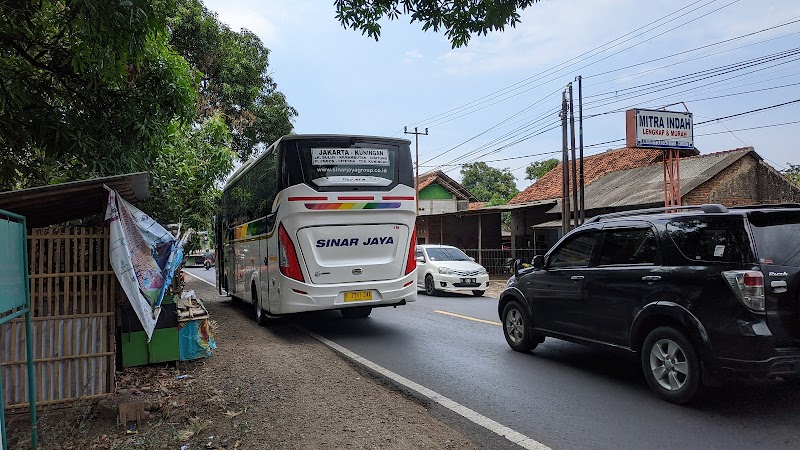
(447, 254)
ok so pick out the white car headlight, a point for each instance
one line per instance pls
(446, 271)
(482, 271)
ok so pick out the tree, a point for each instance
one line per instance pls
(487, 184)
(94, 88)
(235, 82)
(459, 18)
(538, 169)
(793, 173)
(186, 172)
(87, 88)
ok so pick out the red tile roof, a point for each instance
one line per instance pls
(448, 183)
(427, 178)
(594, 166)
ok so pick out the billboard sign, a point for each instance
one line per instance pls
(659, 129)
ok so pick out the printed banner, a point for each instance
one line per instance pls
(144, 256)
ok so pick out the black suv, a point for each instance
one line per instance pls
(700, 293)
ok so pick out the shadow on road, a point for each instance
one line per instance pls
(764, 402)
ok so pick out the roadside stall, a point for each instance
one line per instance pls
(160, 323)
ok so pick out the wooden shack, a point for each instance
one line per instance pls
(73, 290)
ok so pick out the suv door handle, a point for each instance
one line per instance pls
(651, 278)
(577, 277)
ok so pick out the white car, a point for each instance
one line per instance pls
(446, 268)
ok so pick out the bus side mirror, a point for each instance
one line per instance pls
(537, 262)
(420, 259)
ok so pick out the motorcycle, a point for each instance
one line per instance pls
(207, 263)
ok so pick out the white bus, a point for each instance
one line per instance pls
(320, 222)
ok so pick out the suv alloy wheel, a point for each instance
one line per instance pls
(515, 328)
(670, 365)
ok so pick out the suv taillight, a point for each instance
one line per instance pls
(748, 285)
(287, 257)
(411, 262)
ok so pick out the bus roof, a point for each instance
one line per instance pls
(297, 137)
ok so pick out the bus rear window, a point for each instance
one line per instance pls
(336, 165)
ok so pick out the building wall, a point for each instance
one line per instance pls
(427, 207)
(462, 231)
(747, 181)
(522, 221)
(435, 191)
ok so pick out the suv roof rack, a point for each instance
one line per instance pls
(768, 205)
(706, 208)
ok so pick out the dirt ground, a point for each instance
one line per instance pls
(272, 388)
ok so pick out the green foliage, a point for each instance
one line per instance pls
(538, 169)
(458, 18)
(487, 184)
(94, 88)
(235, 80)
(87, 88)
(793, 173)
(185, 174)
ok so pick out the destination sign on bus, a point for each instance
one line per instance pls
(350, 156)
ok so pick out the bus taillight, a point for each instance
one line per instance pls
(287, 257)
(411, 263)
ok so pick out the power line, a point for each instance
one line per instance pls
(696, 124)
(702, 74)
(578, 59)
(751, 128)
(493, 126)
(748, 112)
(543, 130)
(790, 22)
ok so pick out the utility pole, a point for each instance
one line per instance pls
(574, 164)
(564, 166)
(580, 139)
(416, 160)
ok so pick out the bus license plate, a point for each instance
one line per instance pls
(357, 296)
(468, 280)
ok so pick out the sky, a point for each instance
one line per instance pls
(497, 99)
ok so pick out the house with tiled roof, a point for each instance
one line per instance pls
(594, 166)
(438, 193)
(616, 180)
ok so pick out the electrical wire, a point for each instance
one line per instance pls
(431, 121)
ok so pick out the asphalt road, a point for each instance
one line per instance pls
(563, 395)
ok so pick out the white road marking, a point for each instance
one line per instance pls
(468, 317)
(476, 418)
(195, 276)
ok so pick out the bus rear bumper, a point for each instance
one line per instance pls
(301, 297)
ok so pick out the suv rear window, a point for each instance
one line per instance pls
(719, 239)
(777, 236)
